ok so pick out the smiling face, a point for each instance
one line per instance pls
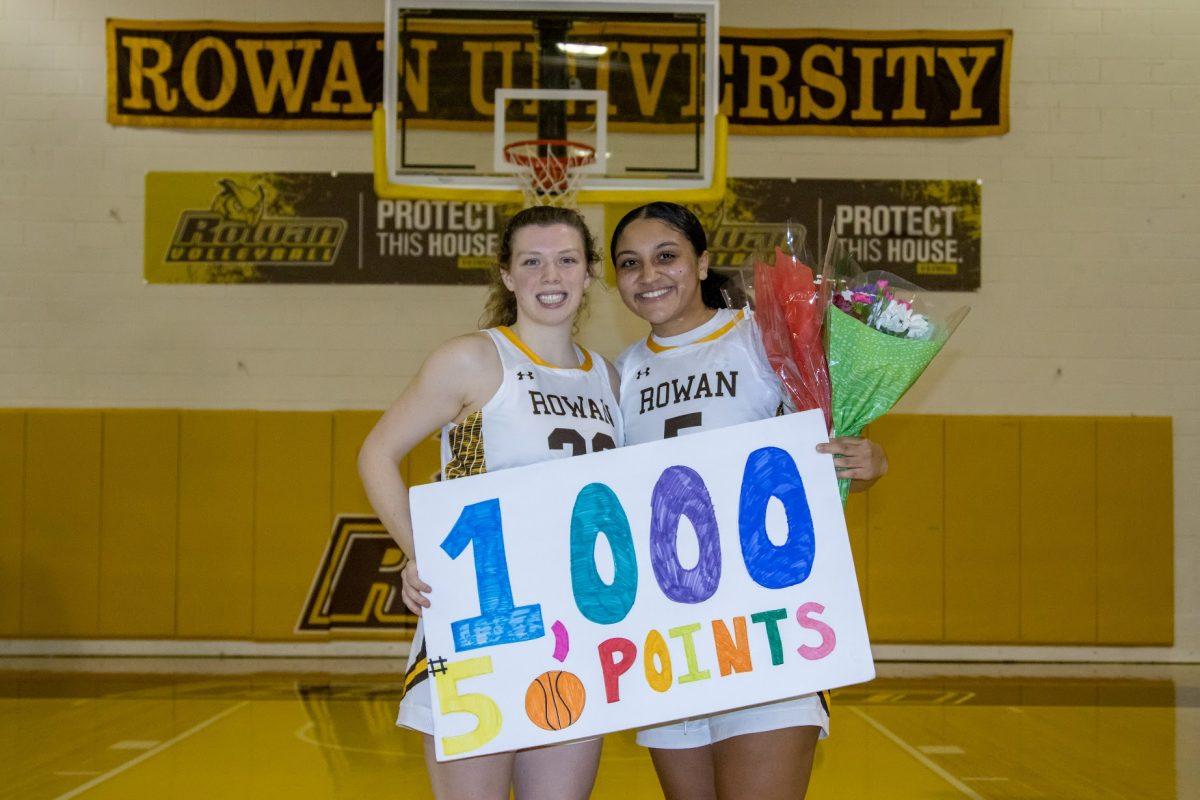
(659, 274)
(548, 273)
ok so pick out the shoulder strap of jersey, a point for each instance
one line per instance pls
(510, 355)
(518, 352)
(593, 360)
(599, 366)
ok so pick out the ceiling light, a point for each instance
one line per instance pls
(579, 49)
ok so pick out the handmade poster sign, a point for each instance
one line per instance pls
(637, 586)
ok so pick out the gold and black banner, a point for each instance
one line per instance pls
(928, 232)
(312, 227)
(330, 75)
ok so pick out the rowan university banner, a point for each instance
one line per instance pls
(329, 75)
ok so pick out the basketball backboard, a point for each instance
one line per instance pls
(632, 81)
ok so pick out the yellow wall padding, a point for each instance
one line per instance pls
(293, 502)
(1058, 531)
(856, 526)
(216, 525)
(12, 489)
(350, 428)
(905, 536)
(60, 559)
(983, 533)
(139, 511)
(211, 524)
(1134, 506)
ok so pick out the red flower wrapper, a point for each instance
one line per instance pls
(789, 303)
(789, 306)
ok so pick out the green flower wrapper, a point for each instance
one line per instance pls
(871, 366)
(870, 371)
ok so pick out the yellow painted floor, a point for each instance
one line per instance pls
(169, 730)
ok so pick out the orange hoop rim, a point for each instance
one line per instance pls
(583, 156)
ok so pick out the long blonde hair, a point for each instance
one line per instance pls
(501, 306)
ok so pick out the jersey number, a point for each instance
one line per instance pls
(562, 438)
(674, 425)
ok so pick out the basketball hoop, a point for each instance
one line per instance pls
(550, 170)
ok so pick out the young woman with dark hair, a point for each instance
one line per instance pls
(659, 252)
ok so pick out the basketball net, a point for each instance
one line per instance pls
(549, 170)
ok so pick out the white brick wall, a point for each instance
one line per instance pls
(1090, 300)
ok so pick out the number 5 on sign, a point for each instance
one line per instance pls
(480, 706)
(717, 562)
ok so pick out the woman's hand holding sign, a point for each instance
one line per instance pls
(414, 589)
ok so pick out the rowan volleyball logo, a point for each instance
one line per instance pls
(732, 242)
(236, 229)
(357, 585)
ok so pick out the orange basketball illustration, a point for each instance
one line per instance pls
(555, 700)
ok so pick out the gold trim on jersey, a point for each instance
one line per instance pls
(466, 448)
(510, 334)
(712, 337)
(418, 672)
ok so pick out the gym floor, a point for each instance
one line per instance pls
(210, 728)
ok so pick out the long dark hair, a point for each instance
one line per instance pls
(501, 306)
(683, 220)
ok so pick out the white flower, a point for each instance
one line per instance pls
(919, 327)
(892, 318)
(898, 319)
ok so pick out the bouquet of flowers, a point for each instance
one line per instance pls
(881, 332)
(789, 308)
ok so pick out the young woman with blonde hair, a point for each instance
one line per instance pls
(482, 390)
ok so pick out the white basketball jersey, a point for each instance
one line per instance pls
(712, 376)
(539, 412)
